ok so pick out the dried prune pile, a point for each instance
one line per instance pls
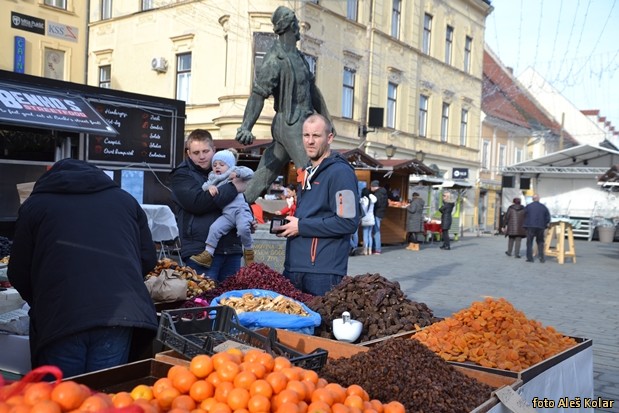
(407, 371)
(378, 303)
(5, 246)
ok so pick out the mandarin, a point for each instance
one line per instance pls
(184, 402)
(261, 387)
(69, 395)
(201, 390)
(238, 398)
(45, 406)
(394, 407)
(258, 404)
(201, 366)
(183, 381)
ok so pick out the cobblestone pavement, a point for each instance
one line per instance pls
(578, 299)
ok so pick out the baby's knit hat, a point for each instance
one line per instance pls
(226, 157)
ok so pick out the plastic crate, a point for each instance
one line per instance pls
(199, 330)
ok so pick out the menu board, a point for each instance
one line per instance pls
(145, 135)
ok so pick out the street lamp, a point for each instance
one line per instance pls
(390, 151)
(420, 156)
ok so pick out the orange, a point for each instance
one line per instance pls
(285, 396)
(254, 367)
(201, 390)
(298, 387)
(201, 365)
(252, 355)
(292, 373)
(302, 407)
(287, 408)
(358, 390)
(228, 370)
(354, 401)
(236, 354)
(244, 379)
(142, 391)
(377, 405)
(220, 408)
(281, 362)
(321, 383)
(337, 391)
(161, 384)
(394, 407)
(20, 408)
(323, 395)
(214, 379)
(222, 391)
(167, 396)
(309, 375)
(37, 392)
(207, 404)
(267, 361)
(340, 408)
(309, 388)
(183, 381)
(319, 407)
(174, 370)
(238, 398)
(45, 406)
(177, 410)
(277, 380)
(146, 406)
(262, 388)
(198, 410)
(122, 399)
(69, 395)
(183, 402)
(258, 404)
(219, 358)
(96, 402)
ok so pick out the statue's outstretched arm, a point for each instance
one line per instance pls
(255, 103)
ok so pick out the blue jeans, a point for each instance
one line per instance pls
(367, 237)
(87, 351)
(224, 266)
(376, 232)
(312, 283)
(354, 240)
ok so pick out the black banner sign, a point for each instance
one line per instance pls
(460, 173)
(41, 109)
(145, 135)
(27, 23)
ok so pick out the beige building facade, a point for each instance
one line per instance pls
(46, 38)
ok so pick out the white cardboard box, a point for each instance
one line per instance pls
(10, 300)
(15, 354)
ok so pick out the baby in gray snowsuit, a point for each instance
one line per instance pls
(236, 214)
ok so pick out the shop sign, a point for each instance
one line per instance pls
(62, 31)
(41, 109)
(460, 173)
(27, 23)
(19, 55)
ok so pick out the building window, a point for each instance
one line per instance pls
(183, 76)
(468, 44)
(59, 4)
(449, 39)
(392, 96)
(444, 122)
(427, 33)
(502, 150)
(464, 124)
(106, 9)
(311, 62)
(395, 18)
(423, 116)
(351, 9)
(147, 4)
(348, 93)
(518, 155)
(262, 44)
(485, 154)
(105, 76)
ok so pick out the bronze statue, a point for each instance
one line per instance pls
(285, 75)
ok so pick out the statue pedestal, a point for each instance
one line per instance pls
(268, 248)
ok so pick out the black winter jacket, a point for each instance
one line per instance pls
(446, 210)
(197, 210)
(382, 202)
(81, 249)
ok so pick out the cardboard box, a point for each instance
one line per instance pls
(172, 357)
(125, 377)
(15, 353)
(10, 300)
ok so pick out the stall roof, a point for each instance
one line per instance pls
(359, 159)
(64, 111)
(610, 179)
(568, 161)
(410, 166)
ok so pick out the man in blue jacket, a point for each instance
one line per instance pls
(318, 235)
(537, 218)
(81, 249)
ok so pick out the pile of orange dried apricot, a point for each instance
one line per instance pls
(492, 333)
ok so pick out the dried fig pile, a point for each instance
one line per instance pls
(493, 333)
(407, 371)
(376, 302)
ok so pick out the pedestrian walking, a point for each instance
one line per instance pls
(446, 209)
(514, 230)
(537, 218)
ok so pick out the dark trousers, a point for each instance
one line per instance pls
(446, 238)
(538, 234)
(514, 244)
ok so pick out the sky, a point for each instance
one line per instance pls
(573, 44)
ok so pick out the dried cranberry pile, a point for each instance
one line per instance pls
(258, 276)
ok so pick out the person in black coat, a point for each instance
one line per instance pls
(80, 252)
(198, 209)
(446, 210)
(514, 219)
(536, 220)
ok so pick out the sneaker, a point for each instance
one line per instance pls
(530, 261)
(204, 258)
(508, 254)
(517, 256)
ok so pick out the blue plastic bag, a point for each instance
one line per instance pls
(264, 319)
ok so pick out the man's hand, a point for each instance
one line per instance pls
(245, 136)
(241, 185)
(291, 229)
